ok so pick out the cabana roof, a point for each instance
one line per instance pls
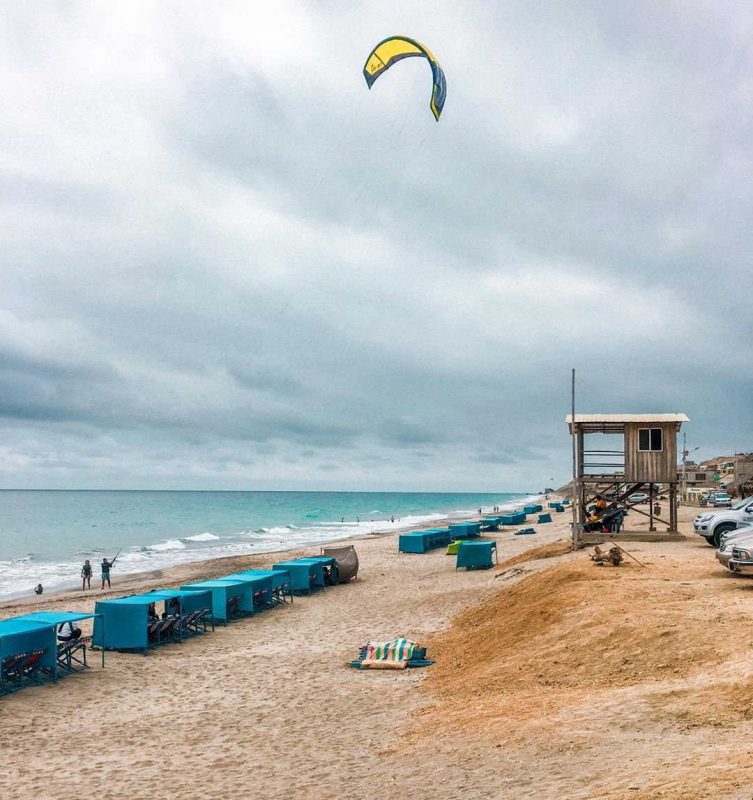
(57, 617)
(220, 583)
(134, 599)
(15, 625)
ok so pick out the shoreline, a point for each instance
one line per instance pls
(208, 568)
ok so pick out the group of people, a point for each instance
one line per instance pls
(86, 573)
(600, 519)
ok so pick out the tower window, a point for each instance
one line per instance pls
(650, 439)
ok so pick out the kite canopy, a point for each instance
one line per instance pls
(395, 48)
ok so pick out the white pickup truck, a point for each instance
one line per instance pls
(712, 524)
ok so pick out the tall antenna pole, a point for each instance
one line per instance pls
(576, 489)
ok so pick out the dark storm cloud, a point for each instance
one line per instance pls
(226, 263)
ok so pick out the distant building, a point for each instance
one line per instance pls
(743, 474)
(721, 465)
(697, 476)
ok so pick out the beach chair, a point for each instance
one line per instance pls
(71, 655)
(21, 668)
(192, 623)
(11, 675)
(234, 610)
(476, 555)
(152, 631)
(281, 590)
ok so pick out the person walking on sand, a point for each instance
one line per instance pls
(105, 567)
(86, 575)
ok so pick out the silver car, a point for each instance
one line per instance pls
(739, 538)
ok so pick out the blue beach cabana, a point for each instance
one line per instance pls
(423, 541)
(262, 592)
(27, 648)
(124, 624)
(319, 581)
(70, 656)
(193, 608)
(304, 575)
(465, 530)
(475, 555)
(279, 581)
(230, 599)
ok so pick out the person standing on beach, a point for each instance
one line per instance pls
(105, 566)
(86, 575)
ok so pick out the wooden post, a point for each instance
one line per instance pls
(673, 508)
(575, 502)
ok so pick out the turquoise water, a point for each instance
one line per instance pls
(45, 535)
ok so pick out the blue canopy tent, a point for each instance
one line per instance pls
(329, 568)
(475, 555)
(230, 599)
(66, 652)
(262, 592)
(303, 575)
(279, 580)
(27, 647)
(124, 624)
(464, 530)
(190, 607)
(423, 541)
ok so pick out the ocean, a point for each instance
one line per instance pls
(46, 535)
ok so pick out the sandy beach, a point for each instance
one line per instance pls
(554, 678)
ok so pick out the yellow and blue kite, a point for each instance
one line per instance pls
(395, 48)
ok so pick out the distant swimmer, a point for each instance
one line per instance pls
(358, 520)
(38, 589)
(86, 575)
(392, 518)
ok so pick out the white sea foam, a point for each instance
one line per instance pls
(170, 544)
(202, 537)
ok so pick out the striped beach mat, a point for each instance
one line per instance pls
(396, 650)
(395, 654)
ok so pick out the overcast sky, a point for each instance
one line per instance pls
(227, 264)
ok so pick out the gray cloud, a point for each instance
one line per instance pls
(227, 264)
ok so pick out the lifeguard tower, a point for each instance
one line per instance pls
(645, 462)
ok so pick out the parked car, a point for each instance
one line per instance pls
(721, 500)
(740, 537)
(638, 497)
(742, 558)
(712, 525)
